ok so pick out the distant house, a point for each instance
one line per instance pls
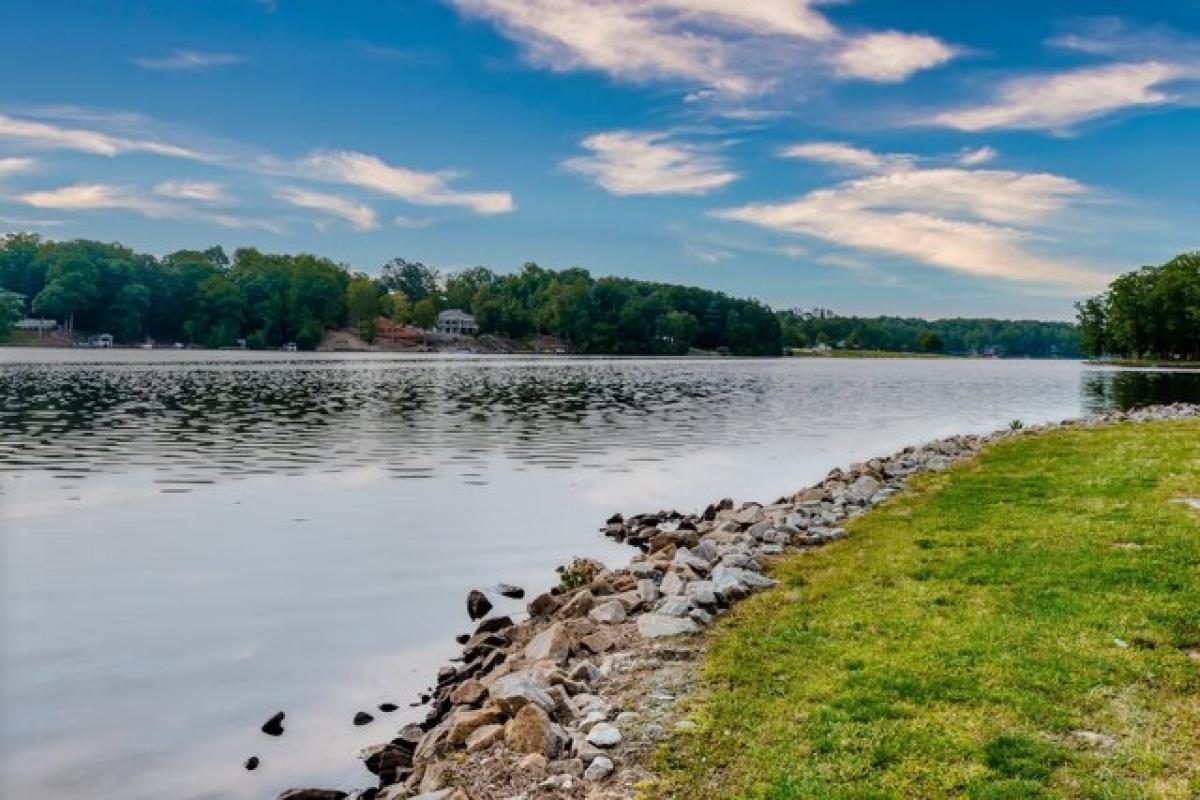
(454, 322)
(99, 340)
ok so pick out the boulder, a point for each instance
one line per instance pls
(468, 693)
(363, 718)
(610, 611)
(863, 489)
(598, 641)
(544, 605)
(604, 734)
(493, 625)
(674, 606)
(600, 768)
(647, 590)
(686, 558)
(749, 514)
(672, 584)
(251, 763)
(510, 591)
(312, 794)
(517, 689)
(274, 726)
(702, 593)
(383, 757)
(552, 644)
(578, 605)
(531, 731)
(485, 737)
(654, 626)
(464, 723)
(478, 605)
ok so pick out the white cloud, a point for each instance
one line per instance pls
(977, 222)
(633, 163)
(94, 196)
(980, 155)
(843, 155)
(45, 135)
(189, 61)
(1055, 102)
(738, 47)
(202, 191)
(890, 56)
(361, 217)
(421, 188)
(11, 166)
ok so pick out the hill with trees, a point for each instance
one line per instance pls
(803, 329)
(1151, 313)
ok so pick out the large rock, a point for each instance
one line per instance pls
(686, 558)
(544, 605)
(674, 606)
(672, 584)
(312, 794)
(514, 691)
(654, 626)
(749, 514)
(531, 731)
(552, 644)
(702, 593)
(604, 734)
(863, 489)
(468, 693)
(478, 605)
(384, 757)
(484, 737)
(600, 768)
(611, 611)
(579, 604)
(464, 723)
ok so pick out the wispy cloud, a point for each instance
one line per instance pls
(360, 216)
(202, 191)
(843, 155)
(12, 166)
(738, 47)
(891, 56)
(647, 163)
(977, 222)
(1058, 101)
(189, 61)
(420, 188)
(45, 135)
(977, 156)
(93, 196)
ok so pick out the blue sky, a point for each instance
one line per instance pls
(876, 156)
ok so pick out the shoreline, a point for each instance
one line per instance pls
(572, 701)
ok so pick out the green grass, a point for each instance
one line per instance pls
(952, 643)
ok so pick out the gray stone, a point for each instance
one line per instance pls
(600, 768)
(604, 734)
(701, 593)
(672, 584)
(686, 558)
(609, 612)
(674, 606)
(518, 689)
(863, 489)
(749, 514)
(552, 644)
(653, 626)
(701, 616)
(647, 590)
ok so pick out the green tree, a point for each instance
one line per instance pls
(416, 280)
(10, 312)
(424, 314)
(929, 342)
(362, 302)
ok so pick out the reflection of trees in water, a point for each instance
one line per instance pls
(406, 419)
(1104, 390)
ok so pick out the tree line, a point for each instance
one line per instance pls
(207, 298)
(1152, 312)
(806, 329)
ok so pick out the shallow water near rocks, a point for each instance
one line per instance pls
(193, 541)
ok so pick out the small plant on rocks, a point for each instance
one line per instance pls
(580, 573)
(1016, 425)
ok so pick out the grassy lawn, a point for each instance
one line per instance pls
(955, 641)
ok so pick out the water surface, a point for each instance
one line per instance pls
(192, 541)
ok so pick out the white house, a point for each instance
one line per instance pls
(455, 322)
(36, 324)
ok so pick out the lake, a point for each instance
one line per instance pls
(192, 541)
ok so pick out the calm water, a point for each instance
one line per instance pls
(193, 541)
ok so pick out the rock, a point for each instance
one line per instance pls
(363, 718)
(387, 708)
(485, 737)
(686, 558)
(510, 591)
(566, 766)
(585, 672)
(468, 693)
(312, 794)
(749, 515)
(544, 605)
(672, 584)
(863, 489)
(598, 642)
(674, 606)
(463, 638)
(579, 604)
(518, 689)
(464, 723)
(274, 726)
(552, 644)
(610, 612)
(493, 625)
(251, 763)
(600, 768)
(647, 590)
(478, 605)
(1092, 739)
(437, 776)
(701, 616)
(701, 593)
(653, 626)
(530, 732)
(532, 764)
(380, 758)
(604, 734)
(439, 794)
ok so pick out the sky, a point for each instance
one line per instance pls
(870, 156)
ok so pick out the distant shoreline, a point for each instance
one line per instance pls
(1148, 364)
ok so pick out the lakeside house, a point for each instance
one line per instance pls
(36, 325)
(455, 322)
(98, 340)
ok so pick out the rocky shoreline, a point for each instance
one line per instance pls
(570, 702)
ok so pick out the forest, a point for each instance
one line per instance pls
(1150, 313)
(205, 297)
(804, 329)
